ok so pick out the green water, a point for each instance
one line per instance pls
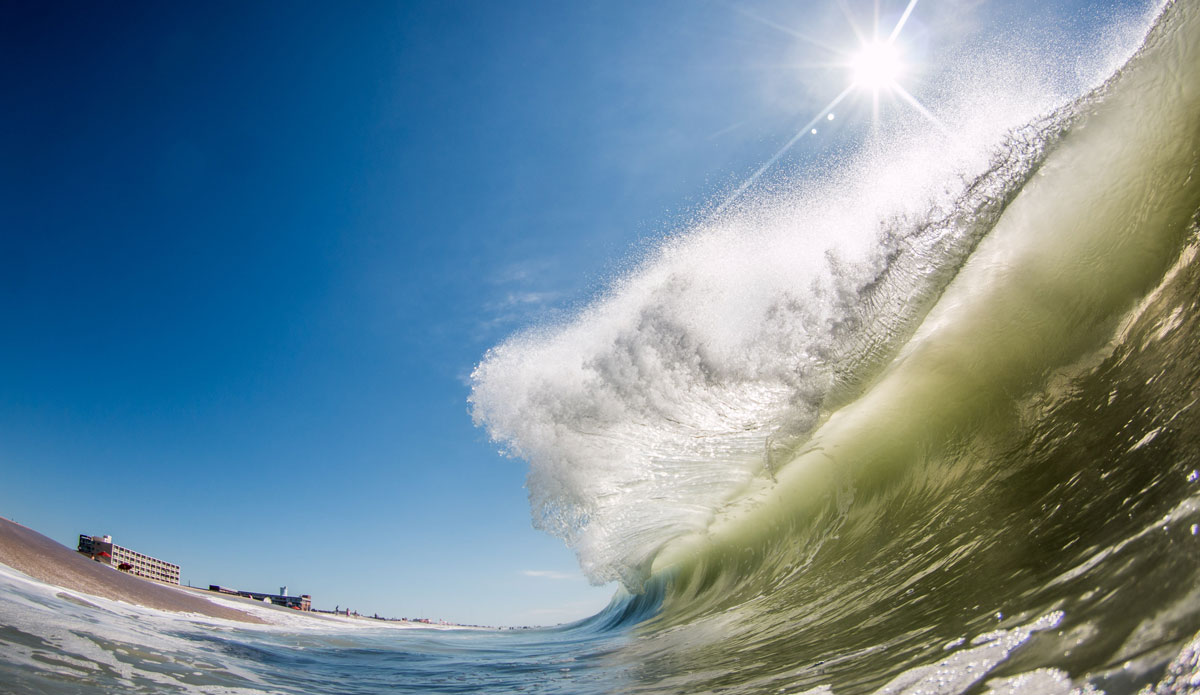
(1031, 453)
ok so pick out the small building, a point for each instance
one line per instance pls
(102, 549)
(300, 603)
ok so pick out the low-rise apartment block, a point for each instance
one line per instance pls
(102, 549)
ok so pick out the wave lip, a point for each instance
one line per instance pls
(704, 369)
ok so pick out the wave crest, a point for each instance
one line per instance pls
(711, 361)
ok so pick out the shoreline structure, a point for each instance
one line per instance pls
(48, 561)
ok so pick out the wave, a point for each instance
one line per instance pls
(707, 365)
(700, 376)
(1012, 493)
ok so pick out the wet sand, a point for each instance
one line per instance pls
(47, 561)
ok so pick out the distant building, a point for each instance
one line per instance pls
(102, 549)
(300, 603)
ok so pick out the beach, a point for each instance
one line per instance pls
(45, 560)
(50, 562)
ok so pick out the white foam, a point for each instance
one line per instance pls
(118, 645)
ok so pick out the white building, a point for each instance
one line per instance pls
(102, 549)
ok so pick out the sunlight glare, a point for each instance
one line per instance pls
(876, 66)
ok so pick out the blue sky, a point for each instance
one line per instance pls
(250, 253)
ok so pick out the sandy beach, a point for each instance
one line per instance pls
(48, 561)
(30, 552)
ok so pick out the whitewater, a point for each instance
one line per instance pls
(924, 421)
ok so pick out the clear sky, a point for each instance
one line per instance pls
(251, 252)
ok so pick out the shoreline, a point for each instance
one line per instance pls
(47, 561)
(52, 563)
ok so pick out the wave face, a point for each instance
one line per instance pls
(930, 418)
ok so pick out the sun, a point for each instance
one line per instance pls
(876, 66)
(877, 69)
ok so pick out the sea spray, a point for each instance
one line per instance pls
(696, 375)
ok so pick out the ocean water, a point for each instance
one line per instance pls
(927, 423)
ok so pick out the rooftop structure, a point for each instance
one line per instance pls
(102, 549)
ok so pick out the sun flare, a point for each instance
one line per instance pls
(876, 66)
(876, 70)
